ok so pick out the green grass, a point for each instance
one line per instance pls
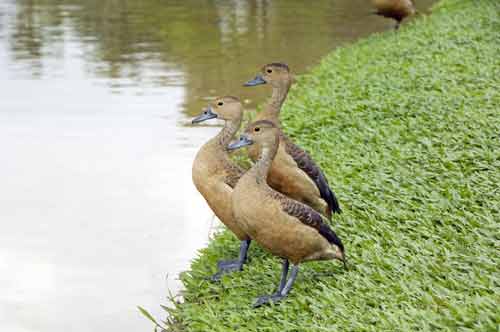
(407, 128)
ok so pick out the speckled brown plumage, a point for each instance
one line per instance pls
(286, 227)
(307, 164)
(294, 173)
(308, 217)
(233, 174)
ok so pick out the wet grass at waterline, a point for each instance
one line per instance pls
(407, 127)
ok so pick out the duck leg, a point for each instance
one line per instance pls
(284, 287)
(398, 23)
(284, 273)
(229, 266)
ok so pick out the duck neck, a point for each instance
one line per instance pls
(261, 168)
(227, 133)
(272, 108)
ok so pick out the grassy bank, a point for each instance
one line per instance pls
(407, 128)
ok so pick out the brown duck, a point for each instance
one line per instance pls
(293, 172)
(286, 227)
(215, 175)
(395, 9)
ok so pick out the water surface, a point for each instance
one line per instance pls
(97, 208)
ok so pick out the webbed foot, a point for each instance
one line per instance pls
(268, 299)
(229, 262)
(226, 267)
(233, 265)
(284, 287)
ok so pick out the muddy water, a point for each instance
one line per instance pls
(97, 210)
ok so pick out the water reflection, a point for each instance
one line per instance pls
(96, 200)
(204, 45)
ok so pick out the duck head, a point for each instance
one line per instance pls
(227, 108)
(275, 74)
(263, 133)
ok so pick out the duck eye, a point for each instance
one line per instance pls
(256, 129)
(269, 71)
(220, 103)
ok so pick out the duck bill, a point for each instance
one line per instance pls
(258, 80)
(206, 115)
(242, 142)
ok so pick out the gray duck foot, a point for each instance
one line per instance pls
(268, 299)
(226, 267)
(233, 265)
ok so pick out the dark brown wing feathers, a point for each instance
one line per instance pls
(307, 165)
(234, 173)
(310, 218)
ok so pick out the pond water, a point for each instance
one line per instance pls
(98, 213)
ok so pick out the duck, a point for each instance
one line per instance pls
(279, 77)
(395, 9)
(285, 227)
(215, 175)
(293, 172)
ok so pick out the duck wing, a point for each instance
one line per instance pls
(306, 164)
(309, 217)
(233, 174)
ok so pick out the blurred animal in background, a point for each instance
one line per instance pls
(395, 9)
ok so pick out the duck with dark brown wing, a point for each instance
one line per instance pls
(287, 228)
(398, 10)
(293, 172)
